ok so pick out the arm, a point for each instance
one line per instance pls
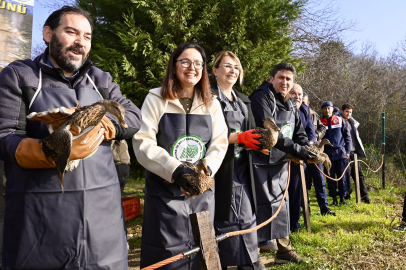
(219, 142)
(299, 134)
(346, 137)
(151, 156)
(10, 111)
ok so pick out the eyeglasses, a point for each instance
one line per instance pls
(186, 63)
(228, 67)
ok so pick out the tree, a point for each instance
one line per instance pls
(319, 23)
(134, 39)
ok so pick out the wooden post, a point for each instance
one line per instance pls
(357, 186)
(305, 206)
(203, 233)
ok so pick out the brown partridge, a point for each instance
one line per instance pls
(269, 134)
(201, 178)
(57, 146)
(321, 156)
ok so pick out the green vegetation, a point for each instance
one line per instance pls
(360, 237)
(135, 38)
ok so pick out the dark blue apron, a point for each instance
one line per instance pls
(166, 228)
(271, 173)
(243, 249)
(82, 228)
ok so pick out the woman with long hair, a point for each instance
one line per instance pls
(181, 121)
(235, 194)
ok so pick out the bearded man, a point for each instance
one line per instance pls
(82, 228)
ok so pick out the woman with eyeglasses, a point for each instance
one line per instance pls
(235, 189)
(181, 121)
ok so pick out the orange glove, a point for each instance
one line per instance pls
(248, 139)
(54, 118)
(29, 152)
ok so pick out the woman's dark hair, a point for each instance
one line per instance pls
(171, 86)
(55, 19)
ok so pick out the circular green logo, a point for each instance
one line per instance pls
(188, 148)
(287, 130)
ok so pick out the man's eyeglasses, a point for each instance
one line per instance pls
(186, 63)
(228, 67)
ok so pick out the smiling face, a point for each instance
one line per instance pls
(188, 77)
(70, 43)
(283, 81)
(227, 72)
(297, 94)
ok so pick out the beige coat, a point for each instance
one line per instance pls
(157, 159)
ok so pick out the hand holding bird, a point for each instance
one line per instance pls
(79, 132)
(268, 135)
(193, 180)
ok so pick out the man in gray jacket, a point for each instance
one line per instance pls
(356, 148)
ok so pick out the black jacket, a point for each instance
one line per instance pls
(263, 106)
(224, 188)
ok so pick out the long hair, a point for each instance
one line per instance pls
(223, 54)
(171, 87)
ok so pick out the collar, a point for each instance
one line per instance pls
(197, 100)
(52, 65)
(224, 98)
(42, 61)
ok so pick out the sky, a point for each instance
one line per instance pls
(381, 23)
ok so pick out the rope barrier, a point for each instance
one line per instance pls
(335, 179)
(346, 168)
(230, 234)
(383, 157)
(165, 262)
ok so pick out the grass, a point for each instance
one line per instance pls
(359, 237)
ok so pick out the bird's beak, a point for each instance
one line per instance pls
(276, 127)
(122, 121)
(123, 124)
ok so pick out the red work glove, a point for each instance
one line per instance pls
(248, 139)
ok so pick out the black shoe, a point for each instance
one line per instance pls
(335, 202)
(342, 201)
(348, 196)
(366, 200)
(327, 211)
(288, 257)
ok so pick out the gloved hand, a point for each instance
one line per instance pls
(54, 118)
(180, 180)
(29, 153)
(305, 154)
(248, 139)
(85, 144)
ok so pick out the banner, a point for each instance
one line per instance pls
(16, 18)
